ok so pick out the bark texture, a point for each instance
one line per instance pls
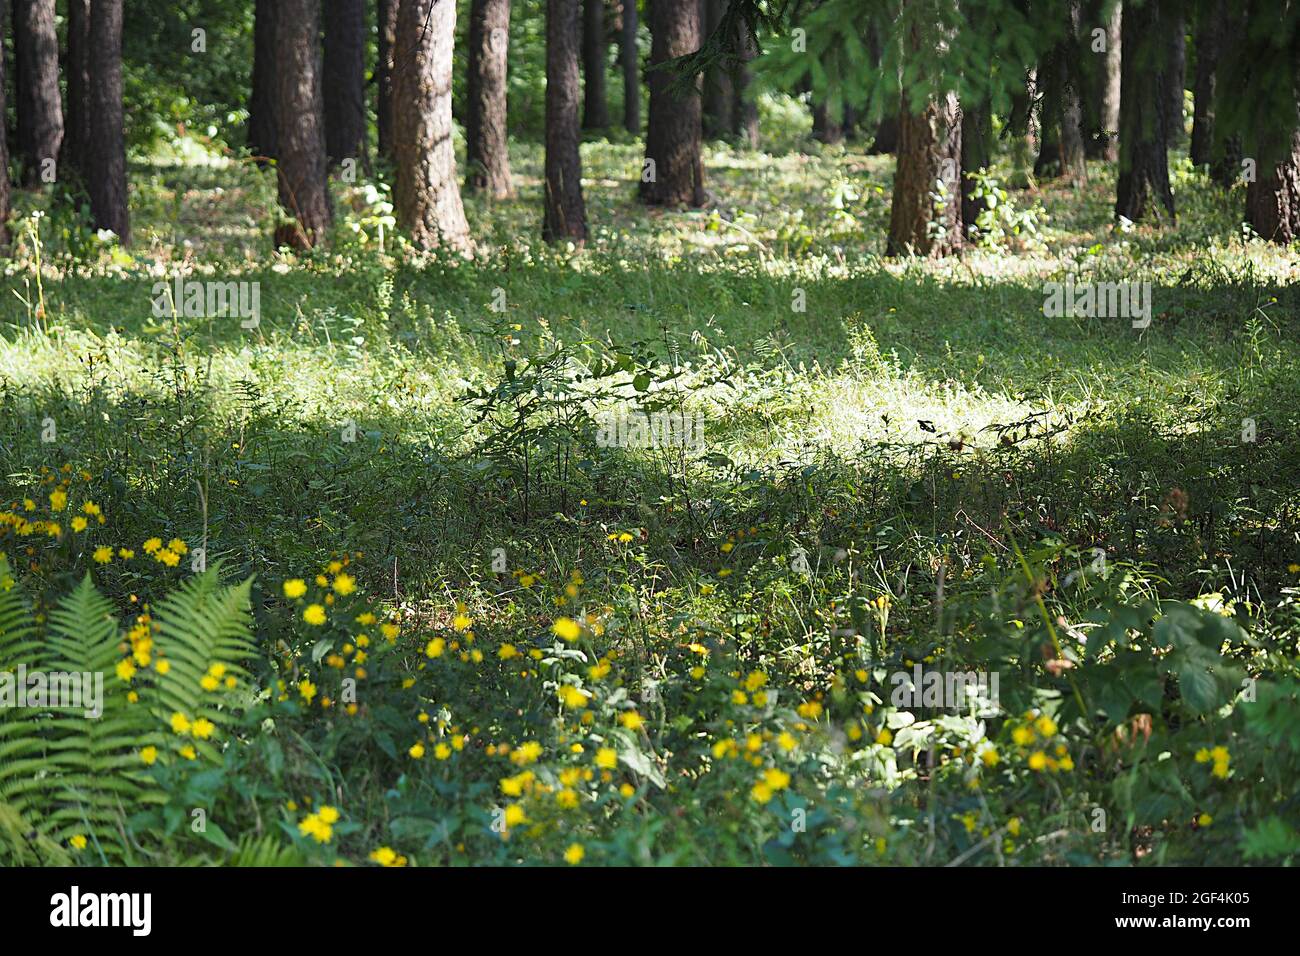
(675, 168)
(976, 154)
(36, 87)
(76, 126)
(261, 103)
(1209, 32)
(1273, 200)
(631, 56)
(345, 79)
(1144, 109)
(929, 151)
(595, 105)
(1110, 96)
(564, 214)
(428, 192)
(300, 126)
(746, 109)
(487, 155)
(719, 104)
(1176, 71)
(105, 158)
(4, 149)
(387, 30)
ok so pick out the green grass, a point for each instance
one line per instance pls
(917, 416)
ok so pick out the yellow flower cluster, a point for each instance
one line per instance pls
(1220, 758)
(319, 825)
(1033, 736)
(387, 857)
(169, 554)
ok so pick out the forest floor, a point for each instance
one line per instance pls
(887, 446)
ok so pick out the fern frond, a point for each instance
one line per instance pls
(92, 763)
(201, 624)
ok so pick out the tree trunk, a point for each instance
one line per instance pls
(487, 155)
(1176, 75)
(1047, 163)
(1209, 30)
(1063, 109)
(745, 109)
(674, 174)
(300, 126)
(1023, 132)
(827, 127)
(885, 139)
(1273, 200)
(1111, 89)
(929, 151)
(1225, 153)
(1102, 73)
(105, 166)
(428, 193)
(851, 119)
(76, 128)
(1144, 105)
(36, 88)
(261, 103)
(595, 108)
(564, 215)
(345, 79)
(719, 102)
(4, 150)
(976, 154)
(387, 29)
(631, 71)
(1073, 161)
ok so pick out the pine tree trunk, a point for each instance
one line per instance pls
(1273, 200)
(886, 138)
(1208, 33)
(929, 151)
(428, 193)
(851, 120)
(487, 155)
(1176, 75)
(1023, 132)
(595, 108)
(976, 154)
(76, 128)
(1103, 116)
(564, 214)
(1114, 76)
(827, 127)
(745, 109)
(1226, 149)
(4, 152)
(36, 88)
(719, 102)
(675, 168)
(1073, 157)
(300, 126)
(387, 30)
(105, 165)
(1061, 118)
(1047, 163)
(344, 79)
(631, 71)
(1144, 105)
(261, 103)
